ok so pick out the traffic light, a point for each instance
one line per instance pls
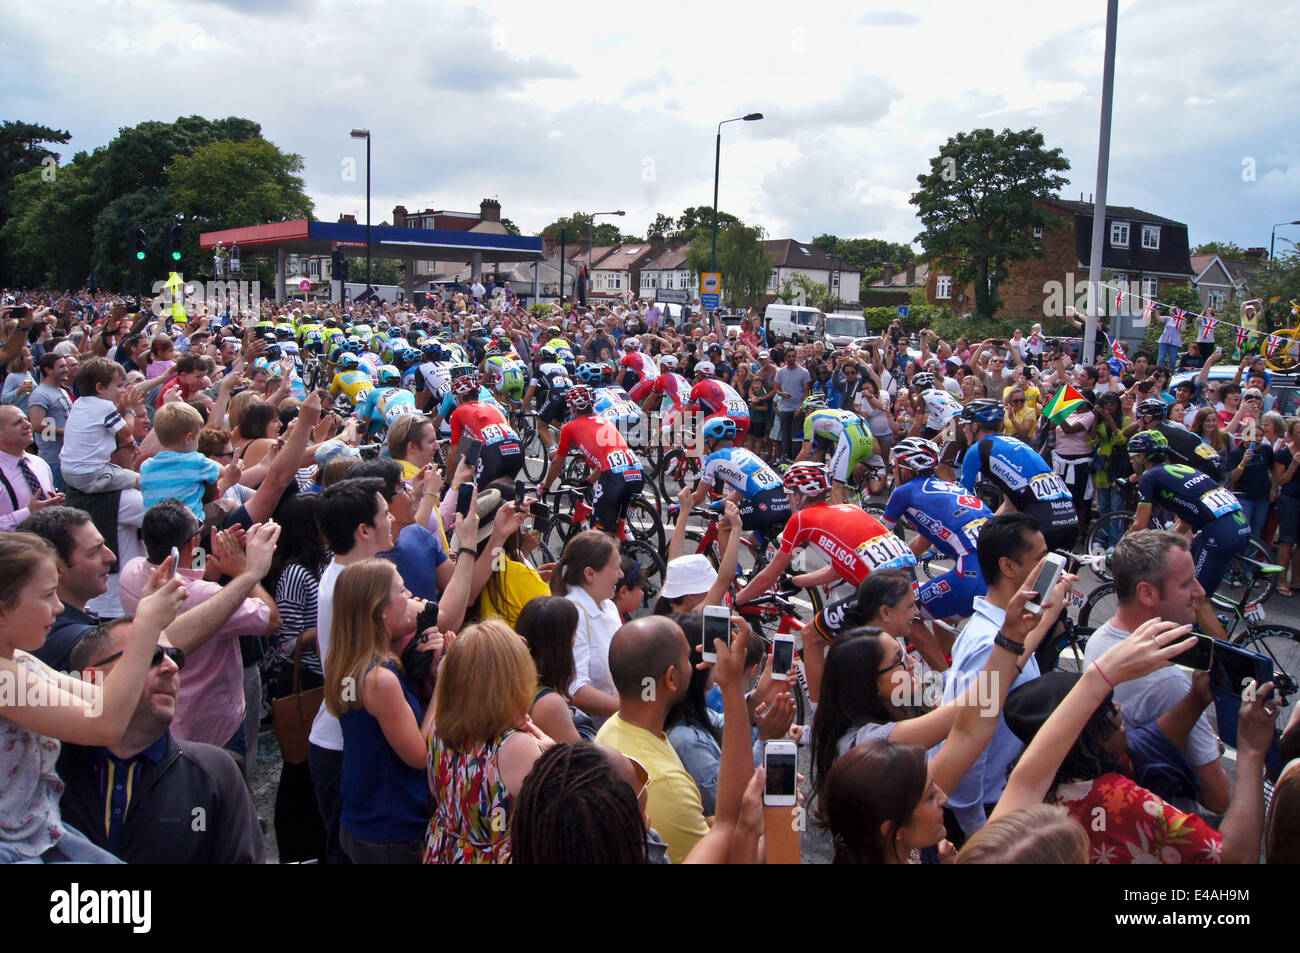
(140, 241)
(338, 265)
(176, 240)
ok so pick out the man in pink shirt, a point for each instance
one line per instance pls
(210, 705)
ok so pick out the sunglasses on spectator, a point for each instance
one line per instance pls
(170, 651)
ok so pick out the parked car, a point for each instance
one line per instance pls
(794, 321)
(844, 329)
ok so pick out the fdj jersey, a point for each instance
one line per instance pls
(852, 540)
(742, 470)
(1027, 481)
(1187, 493)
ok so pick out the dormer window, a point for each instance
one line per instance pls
(1119, 234)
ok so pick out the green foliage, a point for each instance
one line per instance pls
(801, 290)
(510, 227)
(867, 255)
(979, 204)
(1228, 251)
(578, 230)
(75, 229)
(22, 151)
(743, 262)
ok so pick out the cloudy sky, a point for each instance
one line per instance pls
(601, 106)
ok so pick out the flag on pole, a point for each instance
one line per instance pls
(1066, 402)
(1179, 316)
(1241, 334)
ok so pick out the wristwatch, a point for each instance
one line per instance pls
(1015, 648)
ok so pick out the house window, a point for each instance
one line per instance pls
(772, 283)
(600, 279)
(1038, 231)
(1119, 234)
(1216, 300)
(943, 287)
(835, 279)
(616, 280)
(313, 267)
(1149, 288)
(1151, 237)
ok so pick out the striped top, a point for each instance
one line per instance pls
(295, 595)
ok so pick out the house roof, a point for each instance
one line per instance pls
(1171, 258)
(671, 259)
(1119, 213)
(900, 280)
(579, 255)
(789, 253)
(623, 257)
(1203, 266)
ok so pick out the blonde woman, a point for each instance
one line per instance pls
(384, 756)
(483, 744)
(1021, 417)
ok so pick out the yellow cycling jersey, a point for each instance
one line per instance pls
(355, 384)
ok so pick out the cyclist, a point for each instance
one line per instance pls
(639, 378)
(617, 476)
(760, 496)
(715, 398)
(1026, 481)
(672, 390)
(947, 517)
(940, 406)
(611, 401)
(844, 431)
(562, 348)
(1210, 514)
(853, 541)
(501, 455)
(433, 379)
(386, 402)
(550, 382)
(311, 335)
(351, 380)
(506, 373)
(1184, 446)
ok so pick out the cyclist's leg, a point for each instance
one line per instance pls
(841, 463)
(609, 499)
(840, 616)
(1213, 550)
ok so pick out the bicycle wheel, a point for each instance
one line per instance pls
(1287, 354)
(1259, 585)
(693, 540)
(535, 457)
(540, 556)
(556, 532)
(1281, 643)
(1100, 606)
(643, 521)
(666, 476)
(1106, 532)
(652, 563)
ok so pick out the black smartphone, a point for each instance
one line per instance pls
(1199, 657)
(427, 619)
(19, 312)
(463, 498)
(469, 450)
(519, 494)
(540, 510)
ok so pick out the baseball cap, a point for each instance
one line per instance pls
(763, 354)
(690, 575)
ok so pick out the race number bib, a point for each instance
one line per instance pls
(972, 532)
(1220, 502)
(1048, 486)
(737, 408)
(765, 479)
(886, 552)
(619, 461)
(493, 433)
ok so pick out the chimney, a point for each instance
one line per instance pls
(349, 219)
(1255, 254)
(489, 210)
(889, 273)
(399, 216)
(910, 274)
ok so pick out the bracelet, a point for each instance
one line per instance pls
(1103, 675)
(467, 549)
(1015, 648)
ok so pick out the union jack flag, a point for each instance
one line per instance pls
(1149, 310)
(1179, 316)
(1241, 335)
(1209, 323)
(1117, 348)
(1272, 344)
(1119, 298)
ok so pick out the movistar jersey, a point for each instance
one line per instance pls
(1187, 493)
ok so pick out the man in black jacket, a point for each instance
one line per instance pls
(151, 799)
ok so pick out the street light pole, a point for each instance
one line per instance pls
(1099, 204)
(1273, 237)
(717, 162)
(365, 134)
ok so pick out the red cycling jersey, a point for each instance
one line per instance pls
(599, 442)
(717, 397)
(640, 362)
(672, 386)
(850, 538)
(482, 421)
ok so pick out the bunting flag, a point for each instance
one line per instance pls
(1179, 316)
(1209, 323)
(1241, 335)
(1066, 402)
(1117, 348)
(1119, 298)
(1149, 311)
(1272, 344)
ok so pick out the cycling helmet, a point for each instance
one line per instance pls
(389, 374)
(270, 338)
(272, 353)
(1149, 442)
(808, 478)
(284, 332)
(984, 410)
(592, 374)
(632, 344)
(332, 449)
(814, 401)
(547, 355)
(916, 453)
(464, 384)
(608, 372)
(922, 380)
(1153, 407)
(336, 355)
(553, 331)
(348, 361)
(432, 350)
(705, 369)
(580, 398)
(668, 363)
(498, 347)
(719, 428)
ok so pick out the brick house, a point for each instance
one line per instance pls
(1145, 252)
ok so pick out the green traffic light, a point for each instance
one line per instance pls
(140, 255)
(176, 256)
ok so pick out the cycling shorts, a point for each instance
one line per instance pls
(554, 409)
(766, 512)
(840, 616)
(611, 495)
(953, 593)
(1216, 545)
(497, 461)
(856, 446)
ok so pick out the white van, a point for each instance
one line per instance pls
(794, 322)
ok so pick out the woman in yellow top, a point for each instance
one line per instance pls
(1022, 416)
(506, 583)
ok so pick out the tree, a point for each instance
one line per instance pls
(1228, 251)
(867, 255)
(980, 202)
(21, 151)
(698, 219)
(577, 228)
(664, 226)
(743, 261)
(510, 227)
(801, 290)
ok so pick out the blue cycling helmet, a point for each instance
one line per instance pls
(984, 410)
(591, 374)
(348, 361)
(388, 374)
(719, 428)
(432, 349)
(336, 355)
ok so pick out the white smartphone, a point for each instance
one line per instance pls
(780, 763)
(782, 656)
(1053, 566)
(717, 625)
(176, 561)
